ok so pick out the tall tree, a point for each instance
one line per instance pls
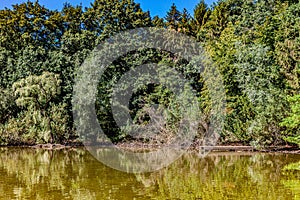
(112, 16)
(185, 25)
(158, 22)
(201, 15)
(29, 24)
(218, 20)
(287, 44)
(173, 17)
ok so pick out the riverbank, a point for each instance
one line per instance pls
(217, 148)
(148, 147)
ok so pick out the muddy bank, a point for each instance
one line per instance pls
(135, 146)
(217, 148)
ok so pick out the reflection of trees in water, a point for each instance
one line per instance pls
(59, 174)
(75, 174)
(221, 176)
(292, 171)
(34, 172)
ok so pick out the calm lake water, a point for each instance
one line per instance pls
(74, 174)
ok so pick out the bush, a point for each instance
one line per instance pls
(42, 120)
(292, 121)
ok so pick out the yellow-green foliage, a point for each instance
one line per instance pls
(37, 91)
(42, 120)
(292, 121)
(253, 44)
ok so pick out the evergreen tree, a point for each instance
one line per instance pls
(184, 25)
(287, 42)
(158, 22)
(113, 16)
(173, 17)
(218, 20)
(200, 13)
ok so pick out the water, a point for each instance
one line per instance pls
(74, 174)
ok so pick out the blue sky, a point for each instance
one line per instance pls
(156, 7)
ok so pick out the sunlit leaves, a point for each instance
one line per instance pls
(292, 121)
(42, 119)
(37, 91)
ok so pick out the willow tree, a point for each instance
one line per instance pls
(43, 120)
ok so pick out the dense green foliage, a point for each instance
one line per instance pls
(253, 44)
(42, 119)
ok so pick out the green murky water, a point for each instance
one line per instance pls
(75, 174)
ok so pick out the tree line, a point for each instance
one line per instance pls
(253, 44)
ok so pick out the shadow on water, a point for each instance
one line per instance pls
(74, 174)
